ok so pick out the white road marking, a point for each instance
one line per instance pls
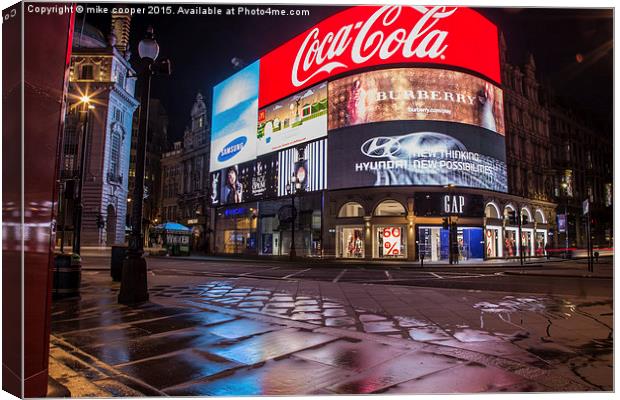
(387, 273)
(436, 276)
(256, 272)
(298, 272)
(339, 275)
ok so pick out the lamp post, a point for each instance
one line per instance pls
(565, 187)
(77, 226)
(291, 189)
(133, 282)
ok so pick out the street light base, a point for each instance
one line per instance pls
(134, 288)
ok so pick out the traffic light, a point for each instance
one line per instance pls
(524, 219)
(444, 223)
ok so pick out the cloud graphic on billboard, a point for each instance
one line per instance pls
(430, 158)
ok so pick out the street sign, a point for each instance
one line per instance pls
(586, 206)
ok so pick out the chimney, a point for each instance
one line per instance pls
(120, 29)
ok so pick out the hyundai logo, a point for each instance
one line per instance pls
(381, 146)
(232, 148)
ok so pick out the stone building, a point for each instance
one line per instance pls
(582, 167)
(100, 69)
(185, 172)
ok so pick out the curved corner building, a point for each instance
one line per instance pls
(372, 135)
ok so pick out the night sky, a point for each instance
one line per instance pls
(573, 50)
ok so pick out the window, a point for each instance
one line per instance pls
(539, 216)
(115, 153)
(87, 72)
(491, 211)
(351, 209)
(118, 115)
(389, 208)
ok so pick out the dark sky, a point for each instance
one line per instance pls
(201, 47)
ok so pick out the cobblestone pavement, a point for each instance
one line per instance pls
(242, 336)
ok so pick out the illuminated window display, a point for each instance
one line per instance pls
(540, 243)
(527, 241)
(238, 230)
(511, 245)
(493, 241)
(350, 242)
(390, 242)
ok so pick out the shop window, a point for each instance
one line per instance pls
(351, 209)
(390, 242)
(389, 208)
(350, 242)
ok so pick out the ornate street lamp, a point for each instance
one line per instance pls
(85, 107)
(133, 282)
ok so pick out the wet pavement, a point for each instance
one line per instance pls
(242, 336)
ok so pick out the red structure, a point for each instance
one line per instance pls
(34, 85)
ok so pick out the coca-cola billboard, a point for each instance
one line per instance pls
(366, 36)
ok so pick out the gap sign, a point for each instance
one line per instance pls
(443, 204)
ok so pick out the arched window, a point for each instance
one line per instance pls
(389, 208)
(508, 208)
(527, 214)
(116, 143)
(351, 209)
(540, 216)
(491, 210)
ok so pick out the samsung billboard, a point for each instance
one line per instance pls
(401, 153)
(235, 112)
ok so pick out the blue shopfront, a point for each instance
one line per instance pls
(441, 209)
(433, 243)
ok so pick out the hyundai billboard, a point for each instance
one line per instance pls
(425, 153)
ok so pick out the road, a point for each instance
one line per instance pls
(331, 328)
(553, 278)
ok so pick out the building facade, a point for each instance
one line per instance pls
(184, 174)
(101, 71)
(402, 159)
(412, 162)
(582, 167)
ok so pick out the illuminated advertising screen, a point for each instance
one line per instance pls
(250, 181)
(235, 112)
(415, 94)
(368, 36)
(416, 153)
(308, 163)
(294, 120)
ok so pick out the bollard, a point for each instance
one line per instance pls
(67, 276)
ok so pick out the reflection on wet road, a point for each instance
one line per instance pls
(298, 337)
